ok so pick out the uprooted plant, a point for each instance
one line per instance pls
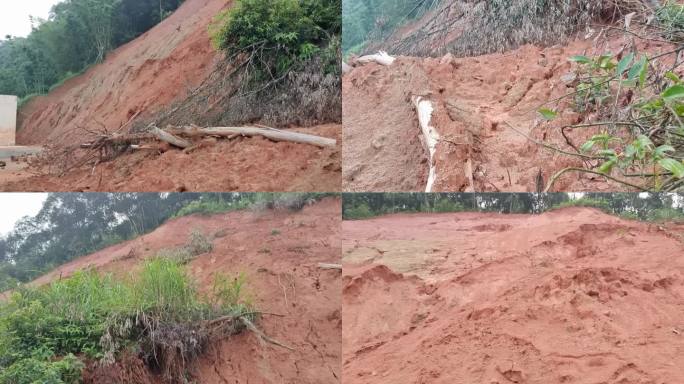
(157, 314)
(636, 104)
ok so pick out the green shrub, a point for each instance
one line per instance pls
(277, 34)
(665, 214)
(210, 207)
(670, 16)
(446, 205)
(585, 202)
(33, 371)
(360, 212)
(98, 316)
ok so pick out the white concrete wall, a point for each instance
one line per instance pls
(8, 120)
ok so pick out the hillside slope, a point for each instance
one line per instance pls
(279, 253)
(569, 296)
(485, 111)
(141, 76)
(143, 81)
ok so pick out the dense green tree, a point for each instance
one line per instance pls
(642, 206)
(78, 33)
(375, 19)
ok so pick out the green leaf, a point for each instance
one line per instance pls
(601, 137)
(580, 59)
(606, 62)
(644, 71)
(630, 151)
(607, 153)
(674, 166)
(624, 63)
(663, 150)
(638, 68)
(607, 166)
(644, 141)
(548, 114)
(675, 79)
(679, 109)
(586, 147)
(674, 92)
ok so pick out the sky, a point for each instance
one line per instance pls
(14, 206)
(14, 15)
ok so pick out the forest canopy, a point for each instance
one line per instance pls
(77, 34)
(645, 206)
(366, 20)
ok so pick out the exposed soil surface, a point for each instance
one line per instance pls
(134, 83)
(570, 296)
(476, 100)
(283, 277)
(242, 164)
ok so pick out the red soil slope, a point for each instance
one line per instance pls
(135, 82)
(474, 99)
(139, 77)
(283, 277)
(570, 296)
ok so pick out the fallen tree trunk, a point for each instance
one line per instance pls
(169, 138)
(330, 266)
(269, 133)
(431, 137)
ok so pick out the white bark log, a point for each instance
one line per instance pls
(269, 133)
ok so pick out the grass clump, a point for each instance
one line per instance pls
(198, 244)
(157, 313)
(208, 207)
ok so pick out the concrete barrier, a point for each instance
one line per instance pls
(8, 120)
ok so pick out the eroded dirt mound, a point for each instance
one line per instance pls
(486, 114)
(279, 253)
(141, 82)
(570, 296)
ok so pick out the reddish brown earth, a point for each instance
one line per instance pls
(242, 164)
(139, 80)
(475, 98)
(283, 277)
(569, 296)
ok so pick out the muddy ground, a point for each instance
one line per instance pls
(134, 85)
(485, 110)
(569, 296)
(279, 252)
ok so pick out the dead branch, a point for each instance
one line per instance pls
(169, 138)
(330, 266)
(269, 133)
(261, 335)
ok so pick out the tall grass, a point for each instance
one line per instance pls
(99, 316)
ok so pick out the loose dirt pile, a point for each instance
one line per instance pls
(137, 82)
(479, 104)
(570, 296)
(279, 253)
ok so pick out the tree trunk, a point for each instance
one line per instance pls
(269, 133)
